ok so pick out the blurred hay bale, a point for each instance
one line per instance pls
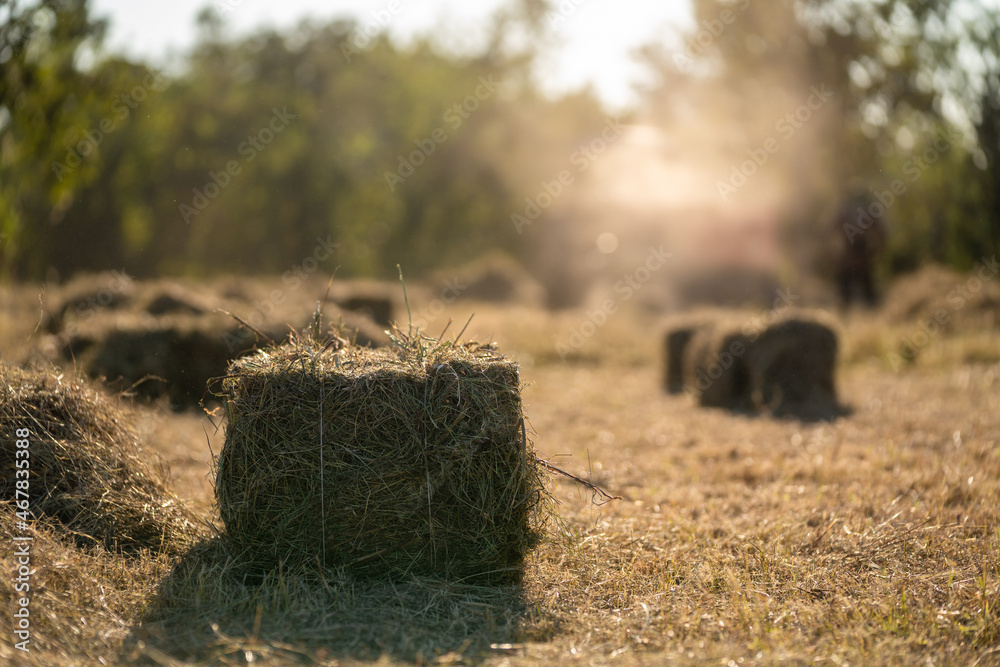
(378, 309)
(495, 278)
(86, 297)
(361, 330)
(178, 354)
(174, 299)
(730, 286)
(87, 469)
(424, 467)
(783, 367)
(175, 355)
(714, 366)
(371, 299)
(674, 344)
(917, 295)
(677, 337)
(951, 300)
(791, 368)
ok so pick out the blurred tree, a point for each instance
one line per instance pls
(45, 101)
(902, 72)
(262, 149)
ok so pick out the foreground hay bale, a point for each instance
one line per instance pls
(424, 467)
(86, 467)
(791, 368)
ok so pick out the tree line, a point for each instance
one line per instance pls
(254, 146)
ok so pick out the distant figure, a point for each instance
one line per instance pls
(859, 224)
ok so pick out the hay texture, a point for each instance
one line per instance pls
(86, 468)
(410, 459)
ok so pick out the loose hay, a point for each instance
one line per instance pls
(87, 469)
(424, 466)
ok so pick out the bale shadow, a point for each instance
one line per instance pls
(212, 607)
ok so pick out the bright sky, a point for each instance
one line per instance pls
(595, 38)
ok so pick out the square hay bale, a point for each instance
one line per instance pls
(715, 369)
(675, 342)
(410, 459)
(791, 368)
(678, 334)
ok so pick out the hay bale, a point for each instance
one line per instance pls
(918, 295)
(679, 331)
(361, 330)
(89, 296)
(791, 368)
(949, 300)
(179, 355)
(732, 286)
(371, 299)
(86, 467)
(173, 356)
(423, 468)
(172, 299)
(378, 309)
(494, 278)
(675, 342)
(176, 355)
(715, 369)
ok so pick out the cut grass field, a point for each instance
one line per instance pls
(873, 539)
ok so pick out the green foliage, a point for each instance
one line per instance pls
(260, 146)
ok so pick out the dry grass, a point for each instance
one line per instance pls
(872, 539)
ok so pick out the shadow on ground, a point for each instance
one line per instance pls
(212, 608)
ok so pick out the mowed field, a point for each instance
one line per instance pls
(738, 539)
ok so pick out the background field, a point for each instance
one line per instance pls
(872, 539)
(142, 197)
